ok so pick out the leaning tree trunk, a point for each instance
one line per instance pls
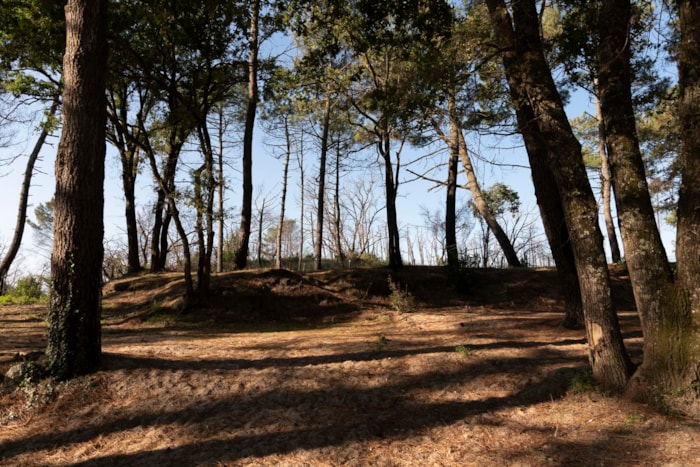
(74, 333)
(241, 259)
(13, 249)
(606, 184)
(649, 269)
(527, 70)
(484, 211)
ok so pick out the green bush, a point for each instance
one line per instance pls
(28, 289)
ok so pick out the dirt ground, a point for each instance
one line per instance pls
(324, 370)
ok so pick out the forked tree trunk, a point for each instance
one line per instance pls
(527, 70)
(75, 308)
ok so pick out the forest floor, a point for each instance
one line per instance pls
(322, 369)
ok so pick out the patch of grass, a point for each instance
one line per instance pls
(584, 383)
(464, 351)
(401, 300)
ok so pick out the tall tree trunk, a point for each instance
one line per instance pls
(74, 334)
(220, 199)
(451, 192)
(649, 269)
(676, 364)
(301, 207)
(337, 222)
(318, 242)
(241, 259)
(528, 71)
(13, 249)
(283, 201)
(158, 210)
(606, 182)
(391, 188)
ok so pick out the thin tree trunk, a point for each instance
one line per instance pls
(391, 188)
(528, 71)
(340, 255)
(220, 187)
(451, 192)
(260, 232)
(74, 344)
(318, 243)
(474, 188)
(13, 248)
(247, 203)
(301, 207)
(283, 201)
(606, 182)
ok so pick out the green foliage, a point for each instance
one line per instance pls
(584, 383)
(464, 351)
(28, 289)
(401, 300)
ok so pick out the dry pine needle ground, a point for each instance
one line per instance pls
(321, 370)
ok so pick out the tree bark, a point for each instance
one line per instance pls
(283, 201)
(241, 259)
(649, 269)
(13, 248)
(451, 191)
(606, 182)
(687, 312)
(320, 209)
(391, 187)
(74, 332)
(528, 71)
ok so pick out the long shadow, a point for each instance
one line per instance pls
(114, 361)
(380, 412)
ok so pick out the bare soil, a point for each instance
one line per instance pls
(322, 369)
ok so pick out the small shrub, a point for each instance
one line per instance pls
(464, 350)
(27, 290)
(584, 383)
(401, 300)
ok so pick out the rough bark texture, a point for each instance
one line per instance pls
(13, 248)
(688, 240)
(648, 265)
(74, 333)
(527, 69)
(241, 259)
(550, 207)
